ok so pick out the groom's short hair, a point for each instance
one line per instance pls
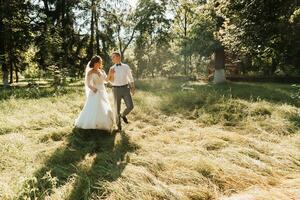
(116, 53)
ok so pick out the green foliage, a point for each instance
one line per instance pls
(265, 30)
(32, 70)
(152, 42)
(59, 76)
(297, 93)
(202, 39)
(157, 37)
(15, 36)
(33, 189)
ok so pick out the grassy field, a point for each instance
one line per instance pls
(194, 141)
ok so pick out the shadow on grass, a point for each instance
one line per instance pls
(295, 119)
(89, 156)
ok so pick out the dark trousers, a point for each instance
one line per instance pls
(120, 93)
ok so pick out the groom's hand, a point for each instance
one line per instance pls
(111, 74)
(132, 89)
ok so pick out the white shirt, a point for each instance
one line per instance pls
(122, 75)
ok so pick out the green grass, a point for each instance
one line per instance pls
(206, 141)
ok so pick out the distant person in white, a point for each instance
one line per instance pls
(123, 86)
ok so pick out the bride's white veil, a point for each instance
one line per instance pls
(87, 89)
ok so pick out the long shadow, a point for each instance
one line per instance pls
(108, 150)
(109, 163)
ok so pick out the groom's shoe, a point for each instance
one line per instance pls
(125, 119)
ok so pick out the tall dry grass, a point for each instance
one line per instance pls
(234, 141)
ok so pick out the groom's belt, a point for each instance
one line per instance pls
(120, 86)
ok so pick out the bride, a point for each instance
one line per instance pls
(97, 112)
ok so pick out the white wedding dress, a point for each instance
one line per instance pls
(97, 112)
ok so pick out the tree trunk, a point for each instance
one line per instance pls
(10, 55)
(5, 74)
(126, 45)
(137, 70)
(120, 42)
(246, 64)
(190, 64)
(97, 34)
(64, 32)
(11, 71)
(219, 75)
(273, 67)
(185, 44)
(105, 51)
(47, 10)
(16, 73)
(2, 53)
(91, 45)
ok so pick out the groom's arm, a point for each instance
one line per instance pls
(132, 88)
(110, 77)
(131, 80)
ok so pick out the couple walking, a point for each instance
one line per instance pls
(97, 112)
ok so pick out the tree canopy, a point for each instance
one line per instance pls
(156, 37)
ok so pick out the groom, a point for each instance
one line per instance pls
(123, 86)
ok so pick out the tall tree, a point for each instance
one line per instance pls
(15, 36)
(261, 29)
(204, 38)
(185, 17)
(2, 46)
(55, 33)
(152, 33)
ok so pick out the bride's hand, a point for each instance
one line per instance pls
(99, 73)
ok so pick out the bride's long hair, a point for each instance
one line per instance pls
(88, 68)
